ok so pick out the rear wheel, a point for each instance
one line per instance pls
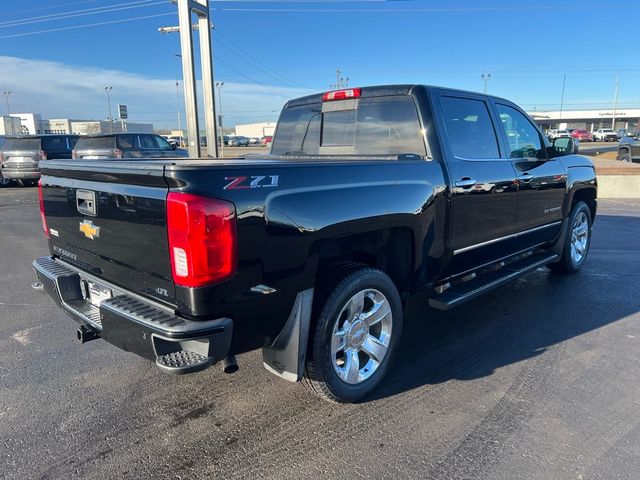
(356, 335)
(577, 240)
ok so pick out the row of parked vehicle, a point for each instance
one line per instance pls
(600, 135)
(20, 156)
(242, 141)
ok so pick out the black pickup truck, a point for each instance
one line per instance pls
(310, 253)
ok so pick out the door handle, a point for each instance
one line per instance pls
(525, 177)
(465, 182)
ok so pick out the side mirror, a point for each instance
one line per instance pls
(564, 146)
(174, 146)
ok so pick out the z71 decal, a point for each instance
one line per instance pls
(256, 181)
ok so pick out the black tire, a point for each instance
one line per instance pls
(5, 182)
(625, 157)
(28, 183)
(340, 286)
(567, 263)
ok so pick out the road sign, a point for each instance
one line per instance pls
(122, 111)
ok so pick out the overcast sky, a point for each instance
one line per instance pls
(56, 57)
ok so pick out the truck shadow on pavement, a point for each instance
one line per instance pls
(524, 320)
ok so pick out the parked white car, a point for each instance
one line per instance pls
(554, 133)
(605, 135)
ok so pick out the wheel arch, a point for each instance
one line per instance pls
(390, 250)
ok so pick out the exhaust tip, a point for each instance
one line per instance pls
(229, 364)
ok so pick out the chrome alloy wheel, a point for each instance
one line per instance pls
(579, 238)
(361, 336)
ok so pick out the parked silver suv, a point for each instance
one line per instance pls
(21, 156)
(125, 145)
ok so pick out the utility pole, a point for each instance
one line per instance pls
(615, 103)
(6, 97)
(564, 80)
(108, 90)
(341, 82)
(177, 55)
(220, 85)
(485, 78)
(186, 8)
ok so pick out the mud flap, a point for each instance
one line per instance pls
(286, 355)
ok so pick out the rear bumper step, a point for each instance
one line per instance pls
(464, 292)
(176, 344)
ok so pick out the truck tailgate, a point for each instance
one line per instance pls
(110, 220)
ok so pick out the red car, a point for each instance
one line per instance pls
(582, 135)
(266, 141)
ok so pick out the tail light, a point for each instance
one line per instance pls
(117, 152)
(74, 154)
(202, 239)
(42, 155)
(342, 94)
(42, 216)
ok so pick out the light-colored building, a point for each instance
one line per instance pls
(32, 123)
(60, 125)
(251, 130)
(591, 120)
(10, 125)
(97, 127)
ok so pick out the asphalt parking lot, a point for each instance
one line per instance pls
(538, 380)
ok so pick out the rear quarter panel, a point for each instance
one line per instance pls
(284, 229)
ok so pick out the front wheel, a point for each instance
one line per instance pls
(577, 240)
(625, 157)
(356, 335)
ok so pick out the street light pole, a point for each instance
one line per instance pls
(177, 55)
(564, 81)
(220, 85)
(108, 90)
(6, 97)
(485, 78)
(615, 104)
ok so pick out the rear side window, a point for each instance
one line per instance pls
(54, 144)
(126, 142)
(469, 128)
(91, 143)
(22, 144)
(385, 126)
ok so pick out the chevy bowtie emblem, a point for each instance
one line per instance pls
(89, 229)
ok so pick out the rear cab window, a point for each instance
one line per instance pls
(385, 126)
(95, 143)
(21, 144)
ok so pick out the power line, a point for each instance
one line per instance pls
(132, 19)
(49, 7)
(252, 80)
(80, 13)
(282, 77)
(424, 10)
